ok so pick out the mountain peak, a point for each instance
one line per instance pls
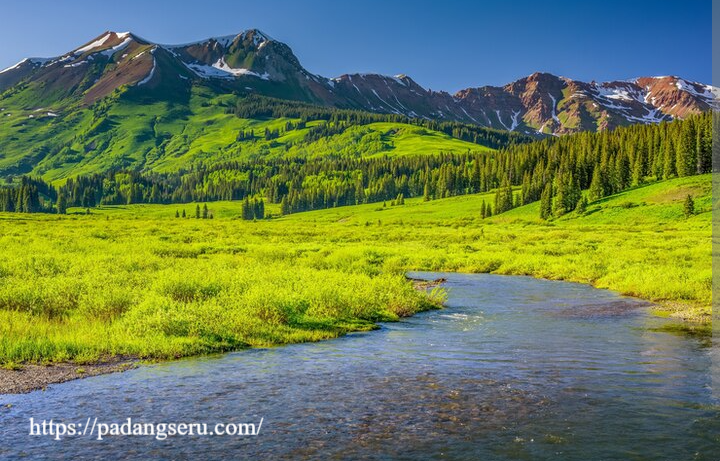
(103, 41)
(254, 36)
(542, 77)
(257, 35)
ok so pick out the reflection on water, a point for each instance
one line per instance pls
(514, 368)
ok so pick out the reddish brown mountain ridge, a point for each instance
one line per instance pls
(252, 62)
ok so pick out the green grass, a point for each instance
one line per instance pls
(167, 136)
(135, 280)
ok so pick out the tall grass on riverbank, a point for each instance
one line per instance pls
(83, 295)
(137, 281)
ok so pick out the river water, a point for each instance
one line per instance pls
(513, 368)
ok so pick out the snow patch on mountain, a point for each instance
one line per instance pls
(237, 72)
(652, 116)
(703, 91)
(121, 46)
(260, 39)
(33, 61)
(220, 69)
(470, 116)
(387, 104)
(76, 64)
(15, 66)
(224, 41)
(152, 71)
(96, 44)
(150, 75)
(399, 78)
(205, 71)
(515, 121)
(623, 94)
(497, 111)
(554, 112)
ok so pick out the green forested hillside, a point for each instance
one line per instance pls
(348, 159)
(129, 131)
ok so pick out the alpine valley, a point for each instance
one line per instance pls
(552, 239)
(161, 201)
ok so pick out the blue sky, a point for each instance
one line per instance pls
(443, 45)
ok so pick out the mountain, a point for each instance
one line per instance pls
(120, 102)
(253, 62)
(538, 104)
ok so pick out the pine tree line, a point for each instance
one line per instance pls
(254, 209)
(554, 171)
(30, 196)
(263, 107)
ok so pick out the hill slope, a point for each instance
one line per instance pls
(130, 132)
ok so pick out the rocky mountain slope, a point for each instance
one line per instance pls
(252, 62)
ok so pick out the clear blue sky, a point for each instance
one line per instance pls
(443, 45)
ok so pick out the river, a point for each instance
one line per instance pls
(513, 368)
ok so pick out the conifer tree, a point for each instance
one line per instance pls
(359, 193)
(248, 213)
(526, 190)
(426, 191)
(596, 191)
(638, 172)
(504, 198)
(582, 205)
(670, 161)
(61, 203)
(567, 193)
(686, 154)
(258, 209)
(475, 178)
(546, 202)
(622, 166)
(6, 200)
(27, 202)
(689, 206)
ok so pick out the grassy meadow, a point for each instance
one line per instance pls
(136, 281)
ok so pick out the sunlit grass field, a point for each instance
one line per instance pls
(136, 281)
